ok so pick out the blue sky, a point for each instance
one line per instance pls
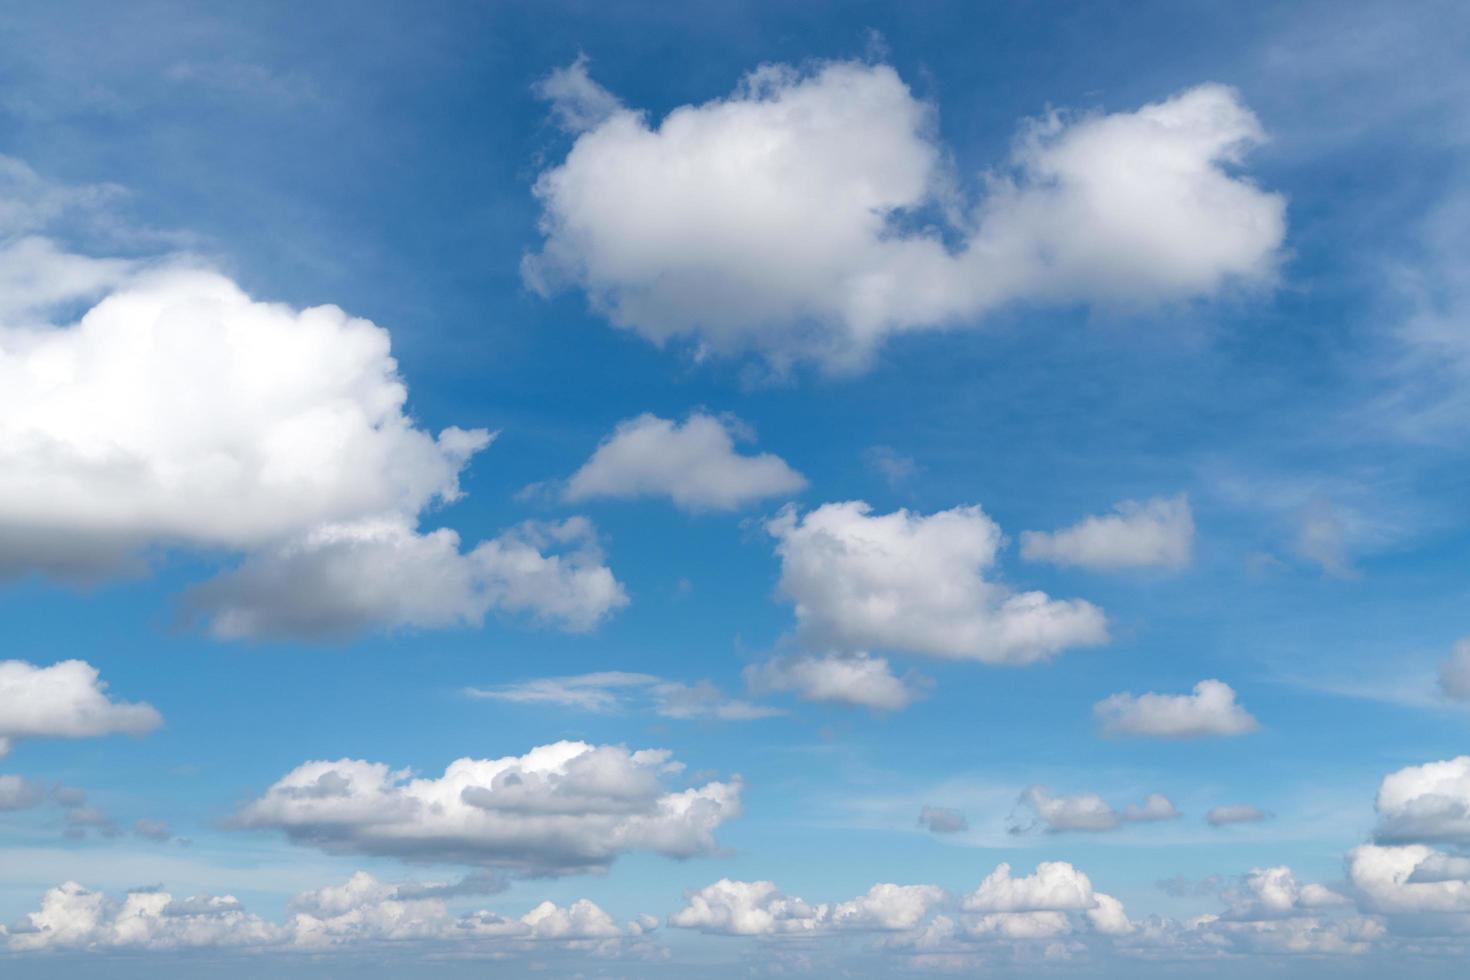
(799, 418)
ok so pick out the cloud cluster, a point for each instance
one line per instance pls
(693, 463)
(66, 700)
(1210, 711)
(1038, 808)
(361, 913)
(918, 584)
(1157, 533)
(560, 808)
(804, 216)
(758, 908)
(179, 413)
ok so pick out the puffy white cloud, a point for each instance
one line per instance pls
(560, 808)
(855, 679)
(1426, 803)
(1019, 925)
(1297, 936)
(916, 583)
(943, 820)
(1042, 905)
(1275, 893)
(361, 912)
(1229, 813)
(341, 579)
(1388, 880)
(72, 917)
(1157, 533)
(610, 690)
(1055, 886)
(771, 220)
(888, 906)
(65, 700)
(179, 413)
(1039, 809)
(1210, 710)
(693, 463)
(1454, 673)
(759, 908)
(178, 410)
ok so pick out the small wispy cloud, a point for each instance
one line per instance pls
(615, 690)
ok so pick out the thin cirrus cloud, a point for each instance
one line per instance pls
(1230, 813)
(759, 908)
(762, 221)
(854, 679)
(233, 426)
(1211, 710)
(614, 690)
(915, 583)
(693, 463)
(1454, 673)
(561, 808)
(1038, 809)
(65, 700)
(1156, 533)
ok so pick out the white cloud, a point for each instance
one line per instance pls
(1275, 893)
(1229, 813)
(72, 917)
(65, 700)
(694, 464)
(559, 808)
(1055, 886)
(342, 579)
(917, 584)
(1426, 803)
(611, 690)
(1040, 905)
(765, 221)
(1155, 807)
(746, 908)
(759, 908)
(1157, 533)
(362, 912)
(887, 907)
(1038, 808)
(943, 820)
(179, 413)
(1210, 710)
(1386, 879)
(1454, 673)
(855, 679)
